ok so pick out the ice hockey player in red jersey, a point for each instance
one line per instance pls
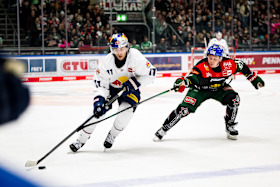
(207, 80)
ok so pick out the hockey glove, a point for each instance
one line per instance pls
(180, 84)
(99, 106)
(256, 80)
(130, 86)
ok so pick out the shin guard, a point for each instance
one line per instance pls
(231, 110)
(175, 117)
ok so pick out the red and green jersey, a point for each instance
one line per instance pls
(203, 77)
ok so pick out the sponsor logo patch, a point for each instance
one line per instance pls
(208, 74)
(194, 72)
(131, 70)
(227, 73)
(227, 88)
(206, 67)
(97, 71)
(184, 111)
(190, 100)
(227, 65)
(148, 64)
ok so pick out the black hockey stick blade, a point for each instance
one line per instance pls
(31, 163)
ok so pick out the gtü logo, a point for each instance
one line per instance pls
(75, 65)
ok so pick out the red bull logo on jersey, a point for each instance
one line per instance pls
(148, 64)
(117, 42)
(118, 82)
(97, 71)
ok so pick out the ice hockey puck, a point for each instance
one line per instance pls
(42, 167)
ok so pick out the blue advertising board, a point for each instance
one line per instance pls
(50, 65)
(36, 65)
(166, 63)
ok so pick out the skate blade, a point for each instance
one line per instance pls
(231, 137)
(156, 139)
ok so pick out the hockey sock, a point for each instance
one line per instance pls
(122, 119)
(86, 132)
(175, 117)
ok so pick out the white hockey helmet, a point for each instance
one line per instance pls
(219, 35)
(118, 41)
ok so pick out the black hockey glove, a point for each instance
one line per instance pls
(256, 80)
(99, 106)
(130, 86)
(180, 84)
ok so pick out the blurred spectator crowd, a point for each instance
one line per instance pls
(179, 14)
(88, 25)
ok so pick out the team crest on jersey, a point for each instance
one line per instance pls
(190, 100)
(97, 71)
(206, 67)
(148, 64)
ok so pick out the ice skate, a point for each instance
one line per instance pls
(75, 146)
(109, 141)
(159, 134)
(231, 132)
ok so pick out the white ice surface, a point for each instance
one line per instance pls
(195, 152)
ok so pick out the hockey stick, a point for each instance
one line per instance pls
(30, 163)
(166, 91)
(205, 42)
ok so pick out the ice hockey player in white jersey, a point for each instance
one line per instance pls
(219, 41)
(123, 67)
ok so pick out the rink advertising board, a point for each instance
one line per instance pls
(166, 63)
(59, 68)
(82, 67)
(261, 61)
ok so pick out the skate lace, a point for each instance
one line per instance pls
(110, 139)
